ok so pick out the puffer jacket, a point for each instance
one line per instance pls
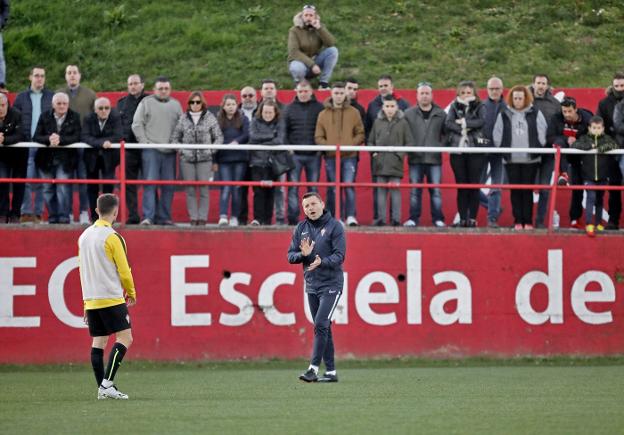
(300, 122)
(595, 166)
(206, 131)
(474, 114)
(306, 42)
(606, 109)
(385, 132)
(426, 134)
(263, 133)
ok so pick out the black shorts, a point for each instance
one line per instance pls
(106, 321)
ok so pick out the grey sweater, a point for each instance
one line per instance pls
(520, 133)
(154, 120)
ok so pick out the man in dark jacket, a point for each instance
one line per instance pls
(32, 103)
(319, 244)
(12, 161)
(56, 129)
(606, 110)
(126, 107)
(385, 87)
(426, 121)
(352, 86)
(300, 123)
(544, 100)
(101, 129)
(564, 129)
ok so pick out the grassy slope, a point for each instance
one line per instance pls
(224, 44)
(220, 399)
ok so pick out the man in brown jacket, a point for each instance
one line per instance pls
(306, 56)
(340, 123)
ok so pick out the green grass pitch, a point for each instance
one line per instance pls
(372, 397)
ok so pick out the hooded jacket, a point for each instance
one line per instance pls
(374, 107)
(595, 166)
(206, 131)
(534, 137)
(263, 133)
(473, 112)
(300, 122)
(339, 126)
(305, 42)
(426, 133)
(329, 244)
(385, 132)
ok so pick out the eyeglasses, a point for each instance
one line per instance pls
(103, 108)
(195, 102)
(248, 95)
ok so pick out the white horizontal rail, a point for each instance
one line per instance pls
(344, 148)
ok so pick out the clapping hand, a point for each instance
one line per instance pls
(306, 247)
(316, 263)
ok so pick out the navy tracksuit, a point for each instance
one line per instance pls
(323, 285)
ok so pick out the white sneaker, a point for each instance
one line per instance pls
(352, 221)
(409, 223)
(146, 222)
(84, 218)
(233, 222)
(222, 221)
(255, 223)
(111, 393)
(439, 224)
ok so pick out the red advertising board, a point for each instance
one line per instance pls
(223, 294)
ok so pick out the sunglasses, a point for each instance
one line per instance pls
(248, 95)
(103, 108)
(194, 102)
(423, 83)
(309, 7)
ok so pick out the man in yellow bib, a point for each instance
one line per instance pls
(107, 291)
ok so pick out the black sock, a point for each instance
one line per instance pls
(97, 362)
(114, 360)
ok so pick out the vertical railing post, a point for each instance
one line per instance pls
(338, 183)
(122, 182)
(553, 189)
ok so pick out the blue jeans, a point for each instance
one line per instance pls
(326, 60)
(80, 173)
(312, 165)
(496, 175)
(417, 174)
(32, 172)
(348, 169)
(594, 198)
(57, 196)
(234, 171)
(158, 166)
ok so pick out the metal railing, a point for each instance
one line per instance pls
(337, 184)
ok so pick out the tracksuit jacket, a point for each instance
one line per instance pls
(329, 243)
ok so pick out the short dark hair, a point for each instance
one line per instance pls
(541, 75)
(619, 75)
(338, 85)
(352, 80)
(310, 194)
(596, 120)
(389, 97)
(267, 81)
(106, 203)
(385, 77)
(36, 67)
(162, 79)
(569, 102)
(302, 83)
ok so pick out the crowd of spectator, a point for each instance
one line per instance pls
(528, 117)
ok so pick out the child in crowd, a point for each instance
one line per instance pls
(595, 170)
